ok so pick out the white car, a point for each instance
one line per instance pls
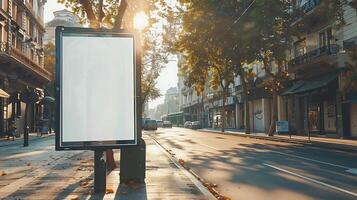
(187, 124)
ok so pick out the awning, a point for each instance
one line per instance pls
(351, 98)
(291, 90)
(3, 94)
(309, 85)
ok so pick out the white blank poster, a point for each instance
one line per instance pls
(98, 89)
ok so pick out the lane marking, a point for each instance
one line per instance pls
(352, 170)
(309, 159)
(209, 146)
(312, 180)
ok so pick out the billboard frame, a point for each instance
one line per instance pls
(96, 145)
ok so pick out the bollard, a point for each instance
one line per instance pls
(26, 136)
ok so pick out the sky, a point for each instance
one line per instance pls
(168, 77)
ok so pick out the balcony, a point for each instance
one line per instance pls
(306, 17)
(24, 61)
(326, 55)
(309, 5)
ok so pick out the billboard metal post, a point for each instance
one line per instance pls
(100, 172)
(133, 159)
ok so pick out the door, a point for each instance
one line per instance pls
(258, 116)
(354, 119)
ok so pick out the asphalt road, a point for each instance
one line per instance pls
(246, 168)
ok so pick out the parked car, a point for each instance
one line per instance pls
(159, 123)
(196, 125)
(150, 125)
(167, 124)
(187, 124)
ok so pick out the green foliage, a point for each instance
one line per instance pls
(50, 59)
(119, 14)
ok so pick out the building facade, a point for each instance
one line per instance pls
(314, 101)
(314, 104)
(21, 61)
(61, 18)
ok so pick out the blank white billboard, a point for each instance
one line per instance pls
(97, 88)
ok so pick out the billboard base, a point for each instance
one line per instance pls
(132, 163)
(100, 172)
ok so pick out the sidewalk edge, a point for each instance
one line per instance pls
(193, 179)
(341, 147)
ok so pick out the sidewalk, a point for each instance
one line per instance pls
(72, 178)
(334, 143)
(20, 140)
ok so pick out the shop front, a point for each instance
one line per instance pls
(216, 114)
(314, 105)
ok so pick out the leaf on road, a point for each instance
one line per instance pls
(3, 173)
(28, 164)
(75, 198)
(182, 162)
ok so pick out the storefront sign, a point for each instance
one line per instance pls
(97, 89)
(282, 126)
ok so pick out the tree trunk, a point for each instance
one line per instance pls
(224, 110)
(26, 133)
(246, 106)
(274, 115)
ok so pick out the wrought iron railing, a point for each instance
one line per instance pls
(309, 5)
(316, 53)
(18, 55)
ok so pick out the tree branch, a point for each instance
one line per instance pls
(90, 14)
(100, 11)
(119, 16)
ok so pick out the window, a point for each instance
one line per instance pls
(300, 48)
(326, 38)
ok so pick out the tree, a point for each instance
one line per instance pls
(49, 64)
(50, 59)
(116, 15)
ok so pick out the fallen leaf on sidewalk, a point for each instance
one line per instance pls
(84, 184)
(75, 198)
(28, 164)
(3, 173)
(83, 161)
(109, 191)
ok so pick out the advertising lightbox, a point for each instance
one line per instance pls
(97, 89)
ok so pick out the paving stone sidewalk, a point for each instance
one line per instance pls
(4, 141)
(71, 177)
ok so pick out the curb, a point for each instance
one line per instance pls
(341, 147)
(188, 173)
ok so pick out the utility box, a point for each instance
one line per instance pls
(132, 163)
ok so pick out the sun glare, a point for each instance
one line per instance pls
(141, 20)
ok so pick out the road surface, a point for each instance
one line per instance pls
(246, 168)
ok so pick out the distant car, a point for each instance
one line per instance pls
(159, 123)
(150, 125)
(196, 125)
(187, 124)
(167, 124)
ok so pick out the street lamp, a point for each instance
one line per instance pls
(141, 21)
